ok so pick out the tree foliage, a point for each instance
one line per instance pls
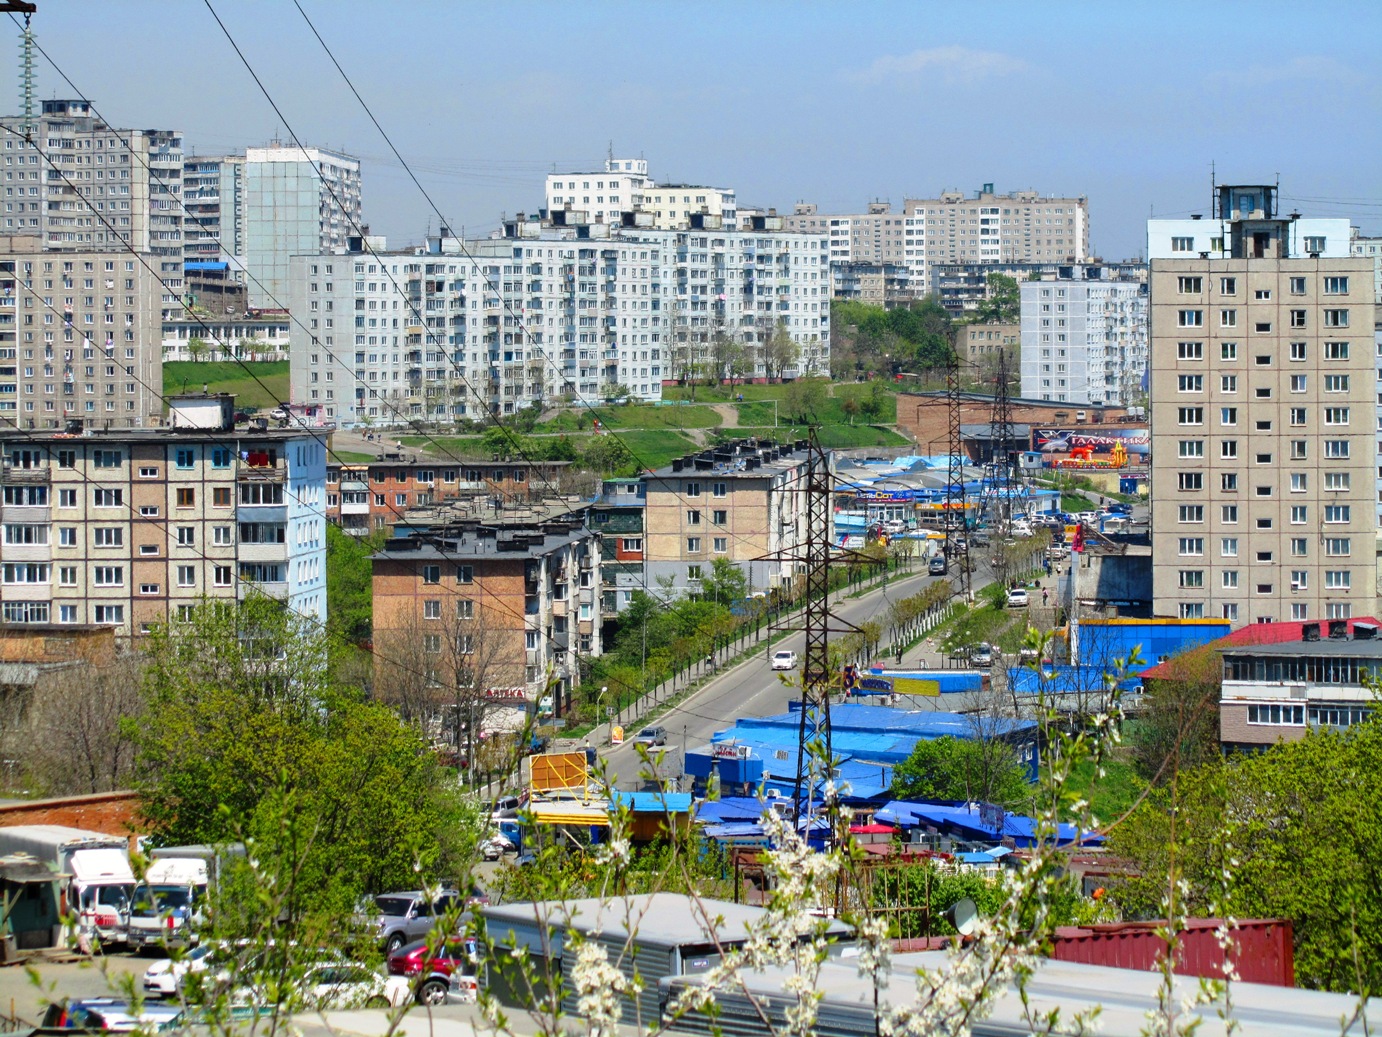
(246, 736)
(1002, 302)
(867, 338)
(961, 769)
(349, 582)
(1294, 832)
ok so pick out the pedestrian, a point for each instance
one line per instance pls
(1044, 594)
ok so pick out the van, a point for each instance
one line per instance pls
(936, 567)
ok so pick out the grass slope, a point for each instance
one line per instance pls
(256, 384)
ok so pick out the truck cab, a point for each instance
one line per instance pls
(167, 903)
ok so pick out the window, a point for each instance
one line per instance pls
(1192, 577)
(1336, 480)
(1189, 350)
(105, 498)
(632, 544)
(187, 575)
(1190, 318)
(1338, 547)
(1264, 588)
(1336, 415)
(1228, 448)
(719, 517)
(1263, 360)
(1277, 715)
(465, 574)
(693, 545)
(106, 459)
(1338, 579)
(1262, 294)
(109, 575)
(1228, 547)
(1314, 243)
(693, 489)
(109, 614)
(1336, 513)
(1297, 416)
(187, 536)
(1336, 318)
(465, 609)
(1263, 458)
(148, 588)
(1336, 448)
(693, 518)
(1262, 392)
(431, 574)
(1192, 610)
(1228, 286)
(693, 572)
(1190, 285)
(67, 576)
(220, 457)
(431, 609)
(1297, 383)
(1336, 350)
(1297, 318)
(1190, 383)
(1228, 383)
(220, 497)
(184, 457)
(108, 536)
(1191, 513)
(1300, 547)
(1298, 350)
(1190, 480)
(721, 545)
(431, 643)
(1298, 450)
(1338, 610)
(1228, 481)
(1336, 286)
(25, 534)
(221, 576)
(1263, 491)
(1229, 611)
(1228, 513)
(220, 536)
(1336, 383)
(1182, 244)
(1192, 448)
(1228, 579)
(1228, 318)
(187, 497)
(1264, 523)
(146, 472)
(1228, 415)
(1298, 514)
(1297, 286)
(1299, 482)
(1190, 415)
(1191, 546)
(720, 489)
(1228, 350)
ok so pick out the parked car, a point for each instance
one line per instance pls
(784, 660)
(651, 736)
(109, 1015)
(404, 917)
(981, 654)
(434, 972)
(495, 846)
(166, 978)
(937, 566)
(333, 986)
(1017, 598)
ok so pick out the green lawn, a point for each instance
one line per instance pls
(256, 384)
(633, 416)
(1111, 796)
(655, 448)
(454, 446)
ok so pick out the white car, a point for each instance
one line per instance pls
(1017, 598)
(166, 978)
(784, 660)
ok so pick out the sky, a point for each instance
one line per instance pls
(1132, 104)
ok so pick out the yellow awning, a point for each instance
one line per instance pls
(570, 813)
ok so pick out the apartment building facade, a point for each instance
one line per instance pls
(521, 600)
(624, 186)
(79, 338)
(1084, 341)
(213, 189)
(980, 343)
(133, 528)
(1263, 416)
(743, 501)
(546, 314)
(1372, 249)
(297, 201)
(617, 515)
(361, 498)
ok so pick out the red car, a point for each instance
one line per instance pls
(448, 968)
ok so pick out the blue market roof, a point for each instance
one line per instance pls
(964, 819)
(652, 802)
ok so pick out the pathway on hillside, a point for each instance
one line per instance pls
(729, 414)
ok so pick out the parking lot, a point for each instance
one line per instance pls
(21, 997)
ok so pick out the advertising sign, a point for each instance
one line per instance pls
(1056, 444)
(896, 685)
(616, 735)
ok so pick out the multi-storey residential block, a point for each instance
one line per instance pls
(548, 313)
(1372, 249)
(961, 287)
(1084, 341)
(297, 201)
(1262, 416)
(129, 528)
(878, 284)
(618, 517)
(79, 337)
(624, 187)
(1020, 227)
(82, 186)
(979, 344)
(519, 601)
(213, 190)
(743, 501)
(361, 498)
(253, 336)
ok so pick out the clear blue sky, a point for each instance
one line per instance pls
(836, 103)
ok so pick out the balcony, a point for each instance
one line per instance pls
(245, 589)
(261, 468)
(37, 475)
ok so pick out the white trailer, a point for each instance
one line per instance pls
(171, 900)
(98, 880)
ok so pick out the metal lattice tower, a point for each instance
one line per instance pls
(816, 677)
(26, 77)
(1001, 436)
(955, 477)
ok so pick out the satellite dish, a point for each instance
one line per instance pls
(963, 915)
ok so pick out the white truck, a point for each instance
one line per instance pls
(98, 881)
(171, 900)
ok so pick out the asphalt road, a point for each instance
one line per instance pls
(749, 689)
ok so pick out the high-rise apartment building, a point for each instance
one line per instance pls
(625, 186)
(133, 528)
(1084, 340)
(1263, 416)
(1372, 248)
(213, 189)
(83, 186)
(80, 337)
(1019, 227)
(297, 201)
(549, 312)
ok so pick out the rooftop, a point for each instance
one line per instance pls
(1255, 637)
(481, 542)
(738, 458)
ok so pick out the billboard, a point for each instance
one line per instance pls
(553, 772)
(1057, 444)
(875, 684)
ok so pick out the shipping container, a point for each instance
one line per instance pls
(1263, 953)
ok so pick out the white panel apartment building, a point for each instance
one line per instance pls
(545, 314)
(624, 186)
(1019, 227)
(1084, 341)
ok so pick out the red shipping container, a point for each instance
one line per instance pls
(1262, 953)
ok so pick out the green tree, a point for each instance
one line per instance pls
(726, 583)
(850, 405)
(779, 352)
(197, 348)
(1178, 727)
(606, 455)
(349, 582)
(247, 737)
(805, 399)
(1002, 302)
(961, 769)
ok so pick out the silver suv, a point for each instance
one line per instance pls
(405, 917)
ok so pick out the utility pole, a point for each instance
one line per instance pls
(955, 479)
(1001, 440)
(814, 729)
